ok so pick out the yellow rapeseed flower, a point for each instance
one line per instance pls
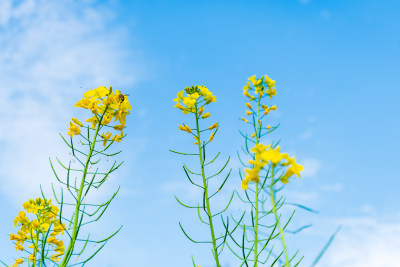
(77, 122)
(211, 137)
(185, 128)
(94, 120)
(243, 119)
(106, 136)
(215, 125)
(117, 137)
(194, 95)
(201, 109)
(197, 140)
(73, 129)
(17, 262)
(206, 115)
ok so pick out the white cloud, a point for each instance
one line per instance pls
(364, 242)
(49, 49)
(311, 167)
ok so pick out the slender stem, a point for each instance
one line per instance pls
(257, 192)
(74, 235)
(277, 218)
(205, 184)
(36, 250)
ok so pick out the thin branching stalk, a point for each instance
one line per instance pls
(257, 192)
(272, 192)
(205, 185)
(76, 220)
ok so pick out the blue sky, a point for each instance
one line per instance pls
(335, 64)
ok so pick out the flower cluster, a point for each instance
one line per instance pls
(265, 155)
(196, 98)
(105, 106)
(259, 86)
(34, 231)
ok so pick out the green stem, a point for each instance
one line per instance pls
(205, 184)
(74, 235)
(36, 249)
(277, 218)
(257, 192)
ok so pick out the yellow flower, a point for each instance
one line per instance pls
(117, 137)
(253, 135)
(268, 127)
(194, 93)
(246, 93)
(215, 125)
(94, 120)
(73, 129)
(292, 170)
(248, 105)
(21, 218)
(246, 87)
(18, 262)
(106, 136)
(77, 122)
(197, 140)
(119, 127)
(99, 92)
(245, 184)
(259, 148)
(106, 118)
(271, 92)
(270, 83)
(201, 109)
(250, 176)
(206, 115)
(211, 137)
(248, 112)
(19, 247)
(272, 155)
(245, 120)
(185, 128)
(254, 81)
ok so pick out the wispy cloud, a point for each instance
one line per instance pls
(49, 49)
(364, 242)
(311, 167)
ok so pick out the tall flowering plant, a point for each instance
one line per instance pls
(108, 110)
(194, 100)
(267, 169)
